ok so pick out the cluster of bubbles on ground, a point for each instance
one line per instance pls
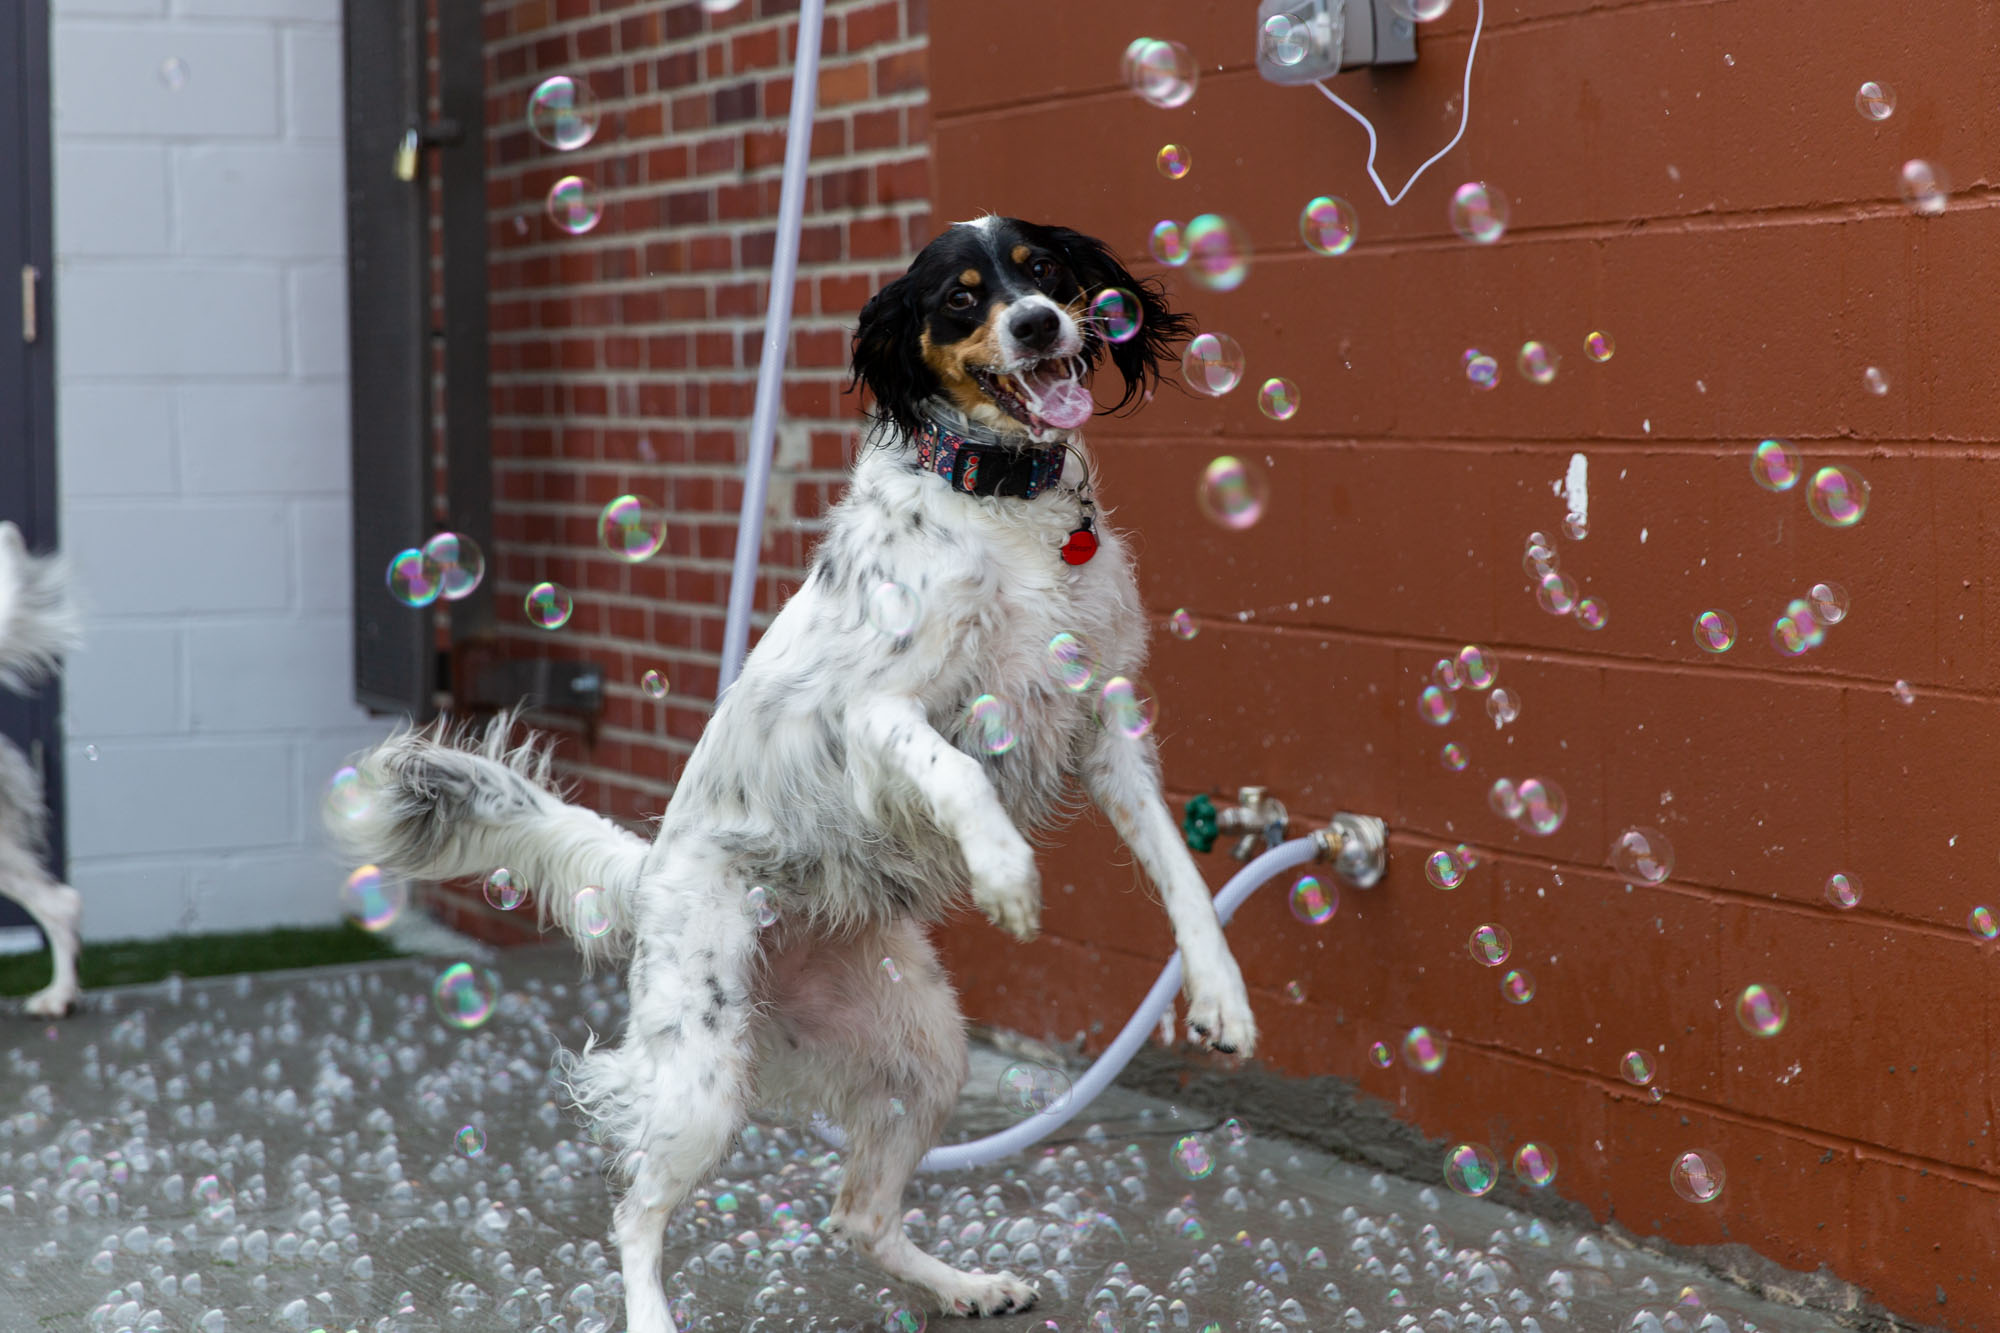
(323, 1151)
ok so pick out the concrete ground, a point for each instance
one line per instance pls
(383, 1148)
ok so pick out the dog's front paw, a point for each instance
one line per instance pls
(1008, 888)
(978, 1294)
(51, 1002)
(1219, 1014)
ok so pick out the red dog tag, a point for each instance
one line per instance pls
(1082, 545)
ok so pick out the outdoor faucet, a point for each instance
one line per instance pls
(1257, 815)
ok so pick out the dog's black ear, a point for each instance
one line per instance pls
(888, 355)
(1161, 329)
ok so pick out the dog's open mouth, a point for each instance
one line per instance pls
(1041, 394)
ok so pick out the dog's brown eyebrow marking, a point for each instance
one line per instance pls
(1021, 253)
(970, 277)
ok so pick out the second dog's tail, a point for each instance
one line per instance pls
(38, 621)
(446, 803)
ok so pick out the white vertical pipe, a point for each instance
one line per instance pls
(777, 329)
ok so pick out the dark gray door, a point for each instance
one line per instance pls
(27, 363)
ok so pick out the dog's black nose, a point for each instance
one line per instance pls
(1035, 327)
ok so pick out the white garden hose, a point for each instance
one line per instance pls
(777, 332)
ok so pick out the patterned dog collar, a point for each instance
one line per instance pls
(988, 469)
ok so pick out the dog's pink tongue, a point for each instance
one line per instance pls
(1064, 402)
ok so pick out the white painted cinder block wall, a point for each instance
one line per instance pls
(202, 356)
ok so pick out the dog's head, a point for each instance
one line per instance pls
(995, 317)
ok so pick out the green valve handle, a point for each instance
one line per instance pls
(1198, 824)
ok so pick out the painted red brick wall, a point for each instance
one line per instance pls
(1692, 178)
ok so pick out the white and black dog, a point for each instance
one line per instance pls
(919, 710)
(38, 624)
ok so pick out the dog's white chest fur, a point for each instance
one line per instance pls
(826, 830)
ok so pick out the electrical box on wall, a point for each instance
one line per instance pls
(1299, 41)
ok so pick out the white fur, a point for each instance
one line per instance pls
(841, 774)
(38, 623)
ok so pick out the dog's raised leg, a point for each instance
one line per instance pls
(671, 1094)
(56, 908)
(893, 734)
(883, 1053)
(1123, 778)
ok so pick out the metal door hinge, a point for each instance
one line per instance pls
(30, 324)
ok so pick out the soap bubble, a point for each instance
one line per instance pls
(174, 73)
(414, 578)
(1838, 496)
(464, 995)
(548, 605)
(1162, 73)
(1503, 706)
(1842, 889)
(214, 1197)
(1904, 694)
(1875, 101)
(890, 970)
(1126, 707)
(989, 725)
(1212, 364)
(1285, 40)
(1471, 1169)
(1442, 869)
(1192, 1157)
(1278, 399)
(373, 900)
(1538, 557)
(1453, 757)
(892, 609)
(1556, 593)
(1444, 674)
(1117, 313)
(1328, 225)
(1576, 526)
(1380, 1055)
(1423, 1050)
(1715, 631)
(1233, 491)
(1419, 11)
(1829, 602)
(1477, 668)
(1482, 370)
(653, 684)
(503, 892)
(1537, 362)
(1490, 945)
(460, 563)
(1799, 630)
(1518, 986)
(1923, 187)
(1636, 1068)
(1762, 1010)
(1167, 243)
(1982, 923)
(1218, 252)
(1590, 613)
(1535, 1165)
(631, 529)
(1775, 465)
(1173, 161)
(1479, 212)
(1697, 1176)
(347, 796)
(1643, 854)
(1181, 624)
(1543, 806)
(562, 113)
(591, 912)
(1873, 380)
(1598, 345)
(470, 1140)
(574, 205)
(1313, 902)
(1070, 663)
(1505, 798)
(1436, 706)
(757, 903)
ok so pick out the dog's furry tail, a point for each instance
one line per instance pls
(446, 802)
(38, 620)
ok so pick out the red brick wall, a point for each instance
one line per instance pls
(1696, 180)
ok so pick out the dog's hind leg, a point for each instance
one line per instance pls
(882, 1050)
(56, 908)
(671, 1095)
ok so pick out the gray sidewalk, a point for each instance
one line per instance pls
(289, 1152)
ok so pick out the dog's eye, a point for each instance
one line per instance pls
(961, 300)
(1045, 271)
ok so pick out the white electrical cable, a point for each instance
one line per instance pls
(1022, 1134)
(777, 330)
(1464, 115)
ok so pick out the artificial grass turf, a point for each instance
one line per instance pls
(129, 962)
